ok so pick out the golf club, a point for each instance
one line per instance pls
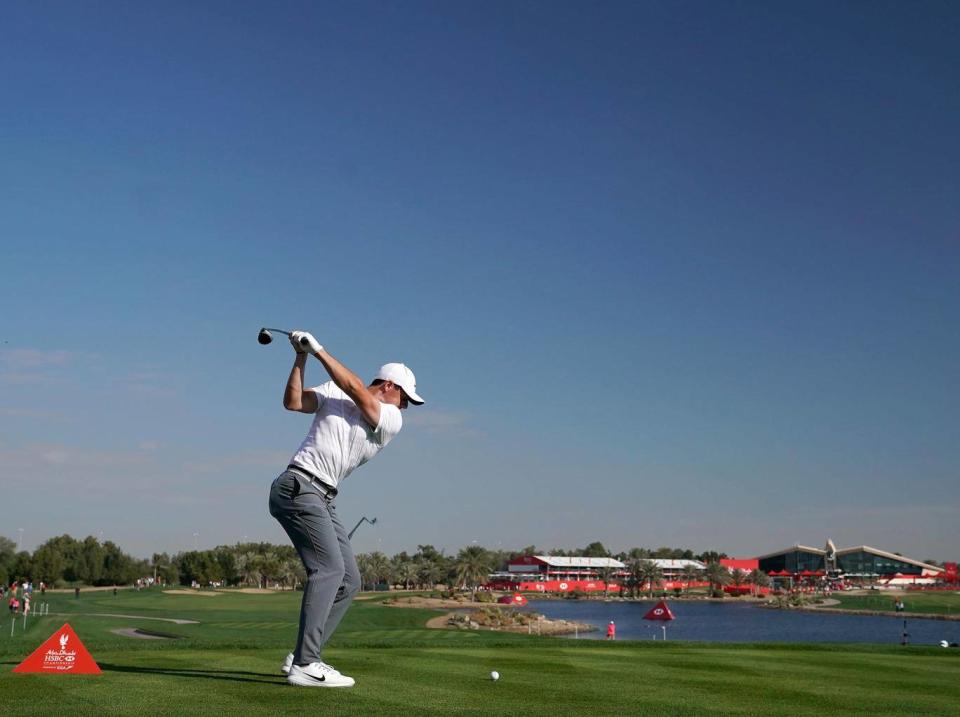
(264, 337)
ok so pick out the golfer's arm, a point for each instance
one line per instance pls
(294, 397)
(353, 386)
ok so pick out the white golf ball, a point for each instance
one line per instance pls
(494, 675)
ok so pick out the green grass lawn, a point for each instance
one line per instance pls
(230, 660)
(935, 603)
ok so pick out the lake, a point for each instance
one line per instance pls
(742, 622)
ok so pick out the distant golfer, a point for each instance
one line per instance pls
(352, 422)
(612, 631)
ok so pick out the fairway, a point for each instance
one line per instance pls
(229, 661)
(933, 603)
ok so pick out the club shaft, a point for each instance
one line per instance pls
(279, 331)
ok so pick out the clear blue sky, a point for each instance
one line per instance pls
(668, 273)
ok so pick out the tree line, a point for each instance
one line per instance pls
(65, 561)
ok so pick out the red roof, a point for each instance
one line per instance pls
(747, 564)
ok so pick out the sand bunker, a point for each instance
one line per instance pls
(177, 621)
(254, 591)
(140, 634)
(189, 592)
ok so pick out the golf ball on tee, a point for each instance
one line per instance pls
(494, 675)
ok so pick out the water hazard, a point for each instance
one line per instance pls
(743, 622)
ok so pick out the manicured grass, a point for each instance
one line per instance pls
(935, 603)
(229, 663)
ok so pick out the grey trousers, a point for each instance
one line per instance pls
(311, 521)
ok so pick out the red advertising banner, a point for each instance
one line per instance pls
(660, 611)
(62, 653)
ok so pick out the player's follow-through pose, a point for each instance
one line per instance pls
(352, 422)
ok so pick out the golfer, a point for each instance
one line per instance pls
(352, 422)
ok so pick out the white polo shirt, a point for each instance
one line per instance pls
(340, 439)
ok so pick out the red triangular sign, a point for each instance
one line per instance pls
(660, 611)
(62, 654)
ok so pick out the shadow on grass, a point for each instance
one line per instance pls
(225, 675)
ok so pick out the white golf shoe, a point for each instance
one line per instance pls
(318, 674)
(288, 663)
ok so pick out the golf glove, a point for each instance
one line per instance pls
(295, 343)
(312, 345)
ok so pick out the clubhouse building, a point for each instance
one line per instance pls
(857, 564)
(799, 566)
(548, 573)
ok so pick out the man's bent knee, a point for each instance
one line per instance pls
(351, 582)
(326, 573)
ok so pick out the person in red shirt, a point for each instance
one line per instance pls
(612, 631)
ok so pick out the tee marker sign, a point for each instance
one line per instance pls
(62, 653)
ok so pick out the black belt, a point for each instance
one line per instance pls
(326, 490)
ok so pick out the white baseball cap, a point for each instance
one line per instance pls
(403, 377)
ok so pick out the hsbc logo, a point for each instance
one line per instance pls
(60, 660)
(61, 653)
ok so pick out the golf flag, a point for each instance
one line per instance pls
(62, 653)
(660, 611)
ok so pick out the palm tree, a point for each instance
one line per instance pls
(716, 575)
(429, 572)
(406, 573)
(378, 567)
(247, 568)
(271, 566)
(634, 579)
(689, 574)
(472, 568)
(638, 577)
(291, 570)
(363, 565)
(257, 566)
(650, 573)
(738, 578)
(758, 579)
(605, 573)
